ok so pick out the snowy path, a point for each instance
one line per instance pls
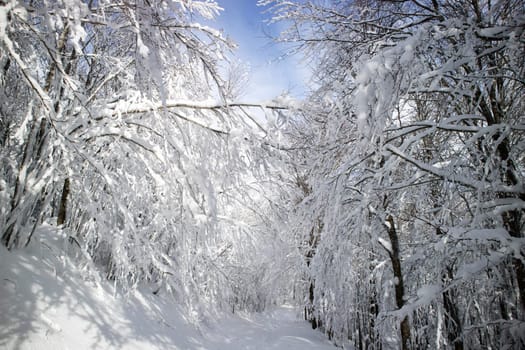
(279, 329)
(46, 304)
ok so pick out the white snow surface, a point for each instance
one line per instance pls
(46, 303)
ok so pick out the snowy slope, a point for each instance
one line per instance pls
(46, 303)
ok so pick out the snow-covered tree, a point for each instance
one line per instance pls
(419, 145)
(116, 126)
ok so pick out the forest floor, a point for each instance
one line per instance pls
(46, 303)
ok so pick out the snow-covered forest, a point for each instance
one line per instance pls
(387, 206)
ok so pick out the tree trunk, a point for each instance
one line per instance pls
(32, 156)
(10, 234)
(452, 321)
(62, 211)
(312, 247)
(399, 285)
(311, 317)
(493, 112)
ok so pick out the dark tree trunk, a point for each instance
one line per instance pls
(399, 285)
(452, 321)
(315, 233)
(62, 211)
(311, 317)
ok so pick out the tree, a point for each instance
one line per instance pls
(111, 127)
(420, 128)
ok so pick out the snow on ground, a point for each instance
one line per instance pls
(279, 329)
(47, 304)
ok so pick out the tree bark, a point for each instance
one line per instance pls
(452, 321)
(399, 285)
(61, 219)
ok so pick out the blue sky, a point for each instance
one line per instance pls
(270, 72)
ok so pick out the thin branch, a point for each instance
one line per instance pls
(467, 182)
